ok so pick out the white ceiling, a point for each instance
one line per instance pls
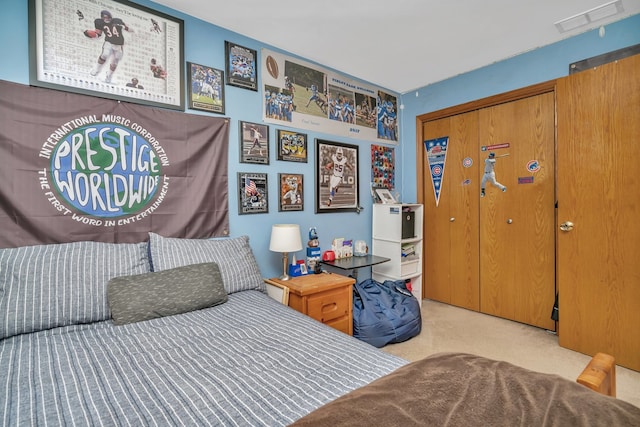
(400, 45)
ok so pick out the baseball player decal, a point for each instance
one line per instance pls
(490, 174)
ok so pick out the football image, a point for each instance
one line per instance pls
(272, 66)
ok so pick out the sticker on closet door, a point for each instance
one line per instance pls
(533, 166)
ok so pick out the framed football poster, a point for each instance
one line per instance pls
(206, 88)
(254, 143)
(336, 177)
(253, 197)
(291, 194)
(109, 48)
(292, 146)
(242, 70)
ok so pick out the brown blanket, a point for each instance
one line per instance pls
(454, 389)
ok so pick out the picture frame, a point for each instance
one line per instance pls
(336, 177)
(241, 66)
(292, 146)
(253, 197)
(385, 196)
(254, 143)
(205, 87)
(65, 51)
(290, 192)
(383, 167)
(303, 269)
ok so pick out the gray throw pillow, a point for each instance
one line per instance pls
(165, 293)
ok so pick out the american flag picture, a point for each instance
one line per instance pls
(252, 193)
(250, 188)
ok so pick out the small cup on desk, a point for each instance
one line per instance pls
(328, 256)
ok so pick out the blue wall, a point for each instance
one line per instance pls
(204, 44)
(537, 66)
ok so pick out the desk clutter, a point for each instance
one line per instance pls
(340, 248)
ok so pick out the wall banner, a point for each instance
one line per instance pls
(74, 167)
(302, 95)
(437, 156)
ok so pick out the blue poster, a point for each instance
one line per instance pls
(437, 155)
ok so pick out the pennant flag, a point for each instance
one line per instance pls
(437, 156)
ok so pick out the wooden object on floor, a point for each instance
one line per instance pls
(600, 375)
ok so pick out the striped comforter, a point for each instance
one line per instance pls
(248, 362)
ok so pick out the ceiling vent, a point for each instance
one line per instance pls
(592, 15)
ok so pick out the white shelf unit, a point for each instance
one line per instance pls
(388, 240)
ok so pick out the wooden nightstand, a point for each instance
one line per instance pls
(326, 297)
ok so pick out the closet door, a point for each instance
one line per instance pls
(599, 192)
(517, 228)
(451, 227)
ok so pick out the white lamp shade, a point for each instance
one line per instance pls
(285, 238)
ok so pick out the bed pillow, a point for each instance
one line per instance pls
(46, 286)
(165, 293)
(234, 256)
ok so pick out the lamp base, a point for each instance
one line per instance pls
(285, 265)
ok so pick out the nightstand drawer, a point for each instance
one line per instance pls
(343, 325)
(330, 305)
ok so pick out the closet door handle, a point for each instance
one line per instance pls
(452, 219)
(566, 226)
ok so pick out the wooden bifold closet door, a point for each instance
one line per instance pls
(494, 254)
(451, 229)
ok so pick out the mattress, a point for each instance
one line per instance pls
(250, 361)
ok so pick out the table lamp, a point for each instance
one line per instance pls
(285, 238)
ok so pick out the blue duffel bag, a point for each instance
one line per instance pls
(385, 313)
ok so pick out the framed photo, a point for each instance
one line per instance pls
(383, 167)
(206, 88)
(292, 146)
(336, 177)
(252, 197)
(242, 69)
(254, 143)
(291, 194)
(385, 195)
(303, 268)
(141, 63)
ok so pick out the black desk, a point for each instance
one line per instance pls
(353, 263)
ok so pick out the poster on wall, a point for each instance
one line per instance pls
(302, 95)
(241, 66)
(110, 48)
(206, 88)
(383, 167)
(107, 171)
(291, 192)
(337, 185)
(253, 195)
(437, 156)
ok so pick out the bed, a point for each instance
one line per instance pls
(247, 361)
(182, 332)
